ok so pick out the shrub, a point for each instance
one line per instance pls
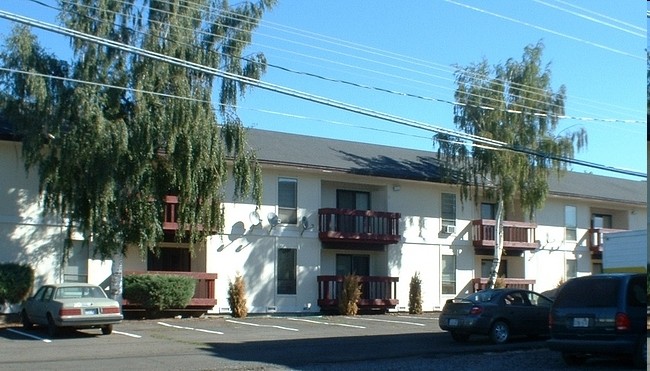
(157, 292)
(415, 294)
(500, 283)
(350, 294)
(16, 281)
(237, 297)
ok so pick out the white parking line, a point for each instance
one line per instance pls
(29, 335)
(127, 334)
(325, 323)
(190, 328)
(388, 321)
(258, 325)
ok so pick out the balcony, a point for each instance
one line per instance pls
(596, 240)
(170, 217)
(517, 236)
(203, 292)
(516, 283)
(377, 292)
(358, 226)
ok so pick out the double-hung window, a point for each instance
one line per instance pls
(570, 223)
(288, 200)
(448, 211)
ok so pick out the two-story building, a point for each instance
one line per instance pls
(334, 207)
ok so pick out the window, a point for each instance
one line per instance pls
(76, 267)
(488, 211)
(169, 259)
(596, 268)
(571, 268)
(601, 221)
(486, 266)
(570, 223)
(448, 269)
(288, 200)
(287, 271)
(352, 264)
(448, 209)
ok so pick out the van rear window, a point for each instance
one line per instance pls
(592, 293)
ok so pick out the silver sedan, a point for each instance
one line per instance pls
(71, 305)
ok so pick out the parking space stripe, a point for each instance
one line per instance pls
(258, 325)
(127, 334)
(325, 323)
(189, 328)
(29, 335)
(388, 321)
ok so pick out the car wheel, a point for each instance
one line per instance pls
(52, 329)
(27, 324)
(573, 359)
(459, 337)
(500, 332)
(641, 354)
(107, 330)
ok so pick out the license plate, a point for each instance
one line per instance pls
(90, 311)
(453, 322)
(580, 322)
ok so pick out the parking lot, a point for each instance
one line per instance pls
(256, 342)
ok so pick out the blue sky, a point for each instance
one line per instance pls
(596, 48)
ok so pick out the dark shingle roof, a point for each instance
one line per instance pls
(400, 163)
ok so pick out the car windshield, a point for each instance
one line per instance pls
(482, 296)
(76, 292)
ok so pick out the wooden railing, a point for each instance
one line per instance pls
(516, 235)
(596, 239)
(377, 292)
(170, 217)
(519, 283)
(358, 226)
(203, 292)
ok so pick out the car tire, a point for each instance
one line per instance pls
(459, 337)
(641, 354)
(573, 359)
(52, 328)
(499, 332)
(107, 329)
(24, 318)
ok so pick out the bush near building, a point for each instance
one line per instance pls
(415, 294)
(16, 282)
(350, 295)
(157, 292)
(237, 297)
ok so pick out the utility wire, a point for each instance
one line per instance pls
(301, 95)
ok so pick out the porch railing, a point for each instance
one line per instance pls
(596, 239)
(203, 292)
(358, 226)
(377, 292)
(519, 283)
(516, 235)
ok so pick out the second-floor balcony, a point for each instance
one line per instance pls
(596, 240)
(358, 226)
(517, 236)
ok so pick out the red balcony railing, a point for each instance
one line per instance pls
(596, 240)
(203, 292)
(170, 217)
(518, 283)
(517, 236)
(358, 226)
(377, 292)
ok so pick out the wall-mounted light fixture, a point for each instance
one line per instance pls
(396, 187)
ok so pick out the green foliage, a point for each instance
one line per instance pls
(237, 297)
(415, 294)
(500, 283)
(16, 282)
(350, 295)
(158, 292)
(108, 152)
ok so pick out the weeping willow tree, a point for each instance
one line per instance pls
(515, 104)
(112, 132)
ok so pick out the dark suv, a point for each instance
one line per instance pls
(601, 315)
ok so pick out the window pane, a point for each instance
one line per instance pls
(570, 223)
(448, 274)
(571, 268)
(288, 200)
(488, 211)
(448, 209)
(287, 271)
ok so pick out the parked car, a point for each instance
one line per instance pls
(497, 313)
(601, 315)
(71, 305)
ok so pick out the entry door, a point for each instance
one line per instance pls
(353, 200)
(352, 264)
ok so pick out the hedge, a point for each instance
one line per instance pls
(158, 292)
(16, 281)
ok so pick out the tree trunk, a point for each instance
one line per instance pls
(498, 245)
(116, 277)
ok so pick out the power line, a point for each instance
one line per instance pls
(298, 94)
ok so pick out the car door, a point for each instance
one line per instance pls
(518, 312)
(540, 308)
(38, 305)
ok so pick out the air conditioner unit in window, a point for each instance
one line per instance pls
(451, 229)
